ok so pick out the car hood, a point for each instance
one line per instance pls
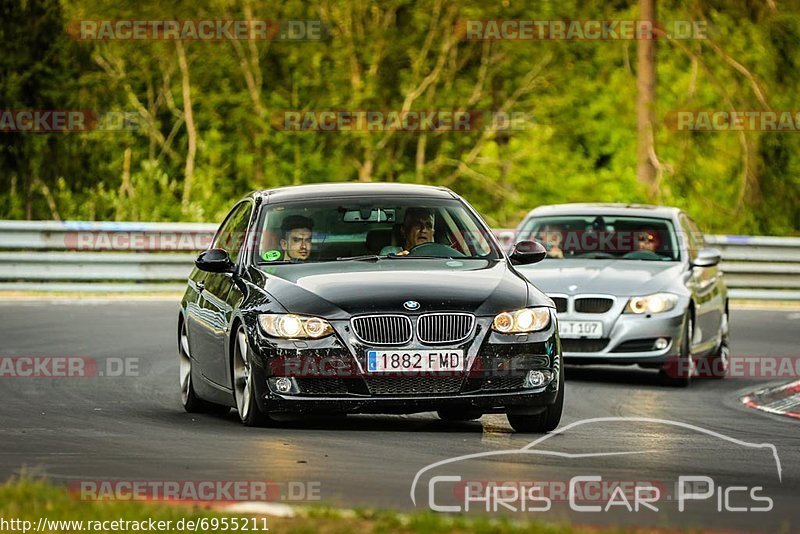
(340, 289)
(603, 276)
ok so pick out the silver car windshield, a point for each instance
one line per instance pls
(604, 236)
(367, 229)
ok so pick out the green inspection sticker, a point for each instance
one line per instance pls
(271, 255)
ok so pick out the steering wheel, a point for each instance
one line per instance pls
(597, 255)
(435, 249)
(643, 255)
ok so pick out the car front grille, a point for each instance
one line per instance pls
(321, 386)
(502, 383)
(561, 304)
(413, 385)
(593, 305)
(583, 345)
(432, 328)
(383, 329)
(444, 327)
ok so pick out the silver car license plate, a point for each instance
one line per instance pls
(578, 329)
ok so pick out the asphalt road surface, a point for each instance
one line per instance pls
(132, 427)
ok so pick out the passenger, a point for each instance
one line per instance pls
(647, 240)
(552, 241)
(296, 242)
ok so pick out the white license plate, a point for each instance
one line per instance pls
(577, 329)
(381, 361)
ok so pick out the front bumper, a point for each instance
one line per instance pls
(627, 338)
(527, 401)
(328, 375)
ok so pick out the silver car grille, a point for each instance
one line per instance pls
(444, 327)
(593, 305)
(561, 304)
(432, 328)
(383, 329)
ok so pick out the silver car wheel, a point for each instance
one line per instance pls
(724, 351)
(692, 364)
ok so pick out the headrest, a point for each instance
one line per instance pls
(379, 238)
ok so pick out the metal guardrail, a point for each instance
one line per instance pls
(125, 256)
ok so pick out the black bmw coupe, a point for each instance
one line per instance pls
(367, 298)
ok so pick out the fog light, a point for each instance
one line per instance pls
(661, 343)
(283, 385)
(534, 379)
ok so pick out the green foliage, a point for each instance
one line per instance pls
(579, 144)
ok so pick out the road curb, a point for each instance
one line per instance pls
(780, 400)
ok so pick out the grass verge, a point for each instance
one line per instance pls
(28, 500)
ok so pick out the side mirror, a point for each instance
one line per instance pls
(215, 260)
(707, 257)
(527, 252)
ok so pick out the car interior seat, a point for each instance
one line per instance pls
(379, 238)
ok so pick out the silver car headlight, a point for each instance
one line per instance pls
(655, 303)
(521, 321)
(290, 326)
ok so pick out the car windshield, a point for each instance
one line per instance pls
(604, 236)
(371, 229)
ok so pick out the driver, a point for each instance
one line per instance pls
(296, 242)
(418, 229)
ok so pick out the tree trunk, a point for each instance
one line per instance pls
(191, 132)
(645, 103)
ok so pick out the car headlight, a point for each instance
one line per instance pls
(521, 321)
(292, 326)
(656, 303)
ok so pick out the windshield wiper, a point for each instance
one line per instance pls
(283, 262)
(365, 257)
(376, 257)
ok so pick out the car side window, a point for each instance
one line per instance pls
(697, 234)
(690, 237)
(231, 234)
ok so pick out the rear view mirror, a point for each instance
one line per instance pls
(707, 257)
(215, 260)
(527, 252)
(369, 215)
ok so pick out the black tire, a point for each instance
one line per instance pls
(678, 372)
(719, 361)
(244, 390)
(191, 402)
(458, 415)
(545, 421)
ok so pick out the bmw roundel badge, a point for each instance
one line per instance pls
(411, 305)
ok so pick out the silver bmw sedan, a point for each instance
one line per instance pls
(632, 284)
